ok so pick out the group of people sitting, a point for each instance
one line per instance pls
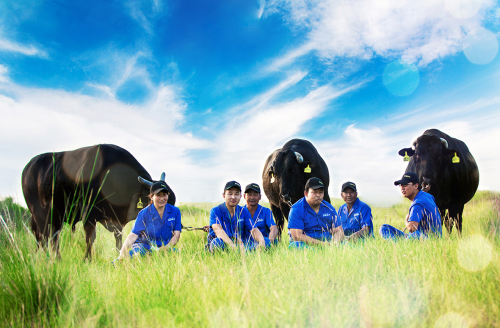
(311, 221)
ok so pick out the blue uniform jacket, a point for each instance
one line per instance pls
(233, 226)
(423, 210)
(154, 230)
(318, 226)
(263, 220)
(359, 217)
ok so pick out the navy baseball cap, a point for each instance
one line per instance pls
(314, 183)
(232, 184)
(252, 186)
(349, 184)
(158, 186)
(407, 178)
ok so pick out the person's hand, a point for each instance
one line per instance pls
(338, 234)
(206, 228)
(233, 246)
(407, 217)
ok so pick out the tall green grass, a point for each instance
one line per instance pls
(438, 282)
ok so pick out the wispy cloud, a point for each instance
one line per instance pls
(144, 12)
(417, 31)
(12, 46)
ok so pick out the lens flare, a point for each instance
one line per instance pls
(474, 253)
(451, 320)
(463, 8)
(401, 78)
(482, 46)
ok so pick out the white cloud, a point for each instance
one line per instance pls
(35, 121)
(11, 46)
(418, 31)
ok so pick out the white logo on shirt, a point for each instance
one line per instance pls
(171, 219)
(326, 214)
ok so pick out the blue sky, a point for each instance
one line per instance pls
(206, 91)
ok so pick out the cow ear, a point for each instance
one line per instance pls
(449, 155)
(406, 152)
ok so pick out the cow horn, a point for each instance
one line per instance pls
(162, 177)
(300, 159)
(145, 182)
(444, 143)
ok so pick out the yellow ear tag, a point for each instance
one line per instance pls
(307, 169)
(455, 159)
(139, 204)
(406, 158)
(272, 178)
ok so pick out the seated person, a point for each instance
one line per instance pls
(228, 221)
(355, 217)
(157, 227)
(311, 218)
(423, 219)
(261, 217)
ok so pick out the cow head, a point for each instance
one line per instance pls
(430, 155)
(147, 186)
(287, 169)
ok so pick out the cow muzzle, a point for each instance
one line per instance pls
(426, 184)
(287, 199)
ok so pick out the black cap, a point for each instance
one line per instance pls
(158, 186)
(349, 184)
(314, 183)
(407, 178)
(232, 184)
(252, 186)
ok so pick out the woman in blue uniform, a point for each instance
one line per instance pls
(157, 227)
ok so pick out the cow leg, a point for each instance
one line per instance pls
(90, 236)
(278, 218)
(455, 213)
(444, 219)
(118, 239)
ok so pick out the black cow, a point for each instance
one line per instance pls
(90, 184)
(447, 170)
(285, 175)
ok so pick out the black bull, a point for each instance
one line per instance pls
(285, 175)
(92, 184)
(447, 170)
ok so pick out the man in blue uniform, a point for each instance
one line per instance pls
(355, 217)
(262, 217)
(228, 221)
(423, 219)
(311, 219)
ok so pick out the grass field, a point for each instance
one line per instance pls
(450, 282)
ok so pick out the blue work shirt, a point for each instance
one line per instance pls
(423, 210)
(234, 226)
(262, 219)
(317, 226)
(359, 217)
(156, 230)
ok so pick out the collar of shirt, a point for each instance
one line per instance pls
(308, 207)
(154, 212)
(354, 208)
(225, 212)
(257, 212)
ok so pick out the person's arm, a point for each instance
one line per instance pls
(257, 235)
(129, 241)
(299, 235)
(220, 233)
(273, 229)
(365, 231)
(413, 218)
(337, 229)
(366, 224)
(273, 233)
(176, 235)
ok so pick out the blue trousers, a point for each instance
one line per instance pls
(144, 249)
(218, 244)
(298, 245)
(389, 232)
